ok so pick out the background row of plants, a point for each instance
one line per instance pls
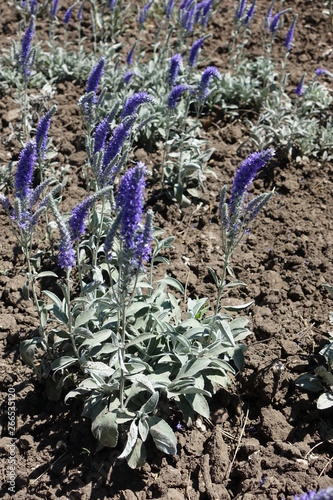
(110, 332)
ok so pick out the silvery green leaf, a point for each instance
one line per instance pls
(98, 367)
(240, 307)
(238, 323)
(234, 284)
(238, 358)
(123, 415)
(25, 291)
(74, 393)
(60, 314)
(137, 456)
(132, 436)
(98, 338)
(200, 405)
(108, 349)
(218, 380)
(195, 390)
(327, 351)
(222, 365)
(144, 382)
(143, 429)
(214, 276)
(45, 274)
(136, 307)
(84, 317)
(193, 192)
(43, 317)
(309, 382)
(194, 306)
(183, 341)
(163, 436)
(63, 362)
(325, 401)
(181, 384)
(141, 338)
(105, 428)
(176, 311)
(150, 405)
(214, 350)
(192, 367)
(90, 287)
(27, 350)
(83, 332)
(224, 328)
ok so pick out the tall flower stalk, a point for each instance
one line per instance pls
(134, 247)
(237, 213)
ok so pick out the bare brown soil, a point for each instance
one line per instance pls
(265, 438)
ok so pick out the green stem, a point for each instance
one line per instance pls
(27, 249)
(166, 147)
(182, 132)
(219, 293)
(70, 322)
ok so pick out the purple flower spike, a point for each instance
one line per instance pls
(33, 7)
(268, 18)
(290, 35)
(203, 87)
(95, 76)
(169, 8)
(250, 13)
(68, 13)
(144, 239)
(54, 8)
(144, 13)
(25, 47)
(80, 11)
(66, 257)
(130, 201)
(322, 71)
(24, 172)
(195, 51)
(299, 88)
(276, 20)
(78, 218)
(128, 76)
(189, 20)
(133, 102)
(101, 132)
(129, 58)
(205, 13)
(116, 142)
(176, 93)
(42, 131)
(246, 174)
(175, 63)
(112, 4)
(241, 9)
